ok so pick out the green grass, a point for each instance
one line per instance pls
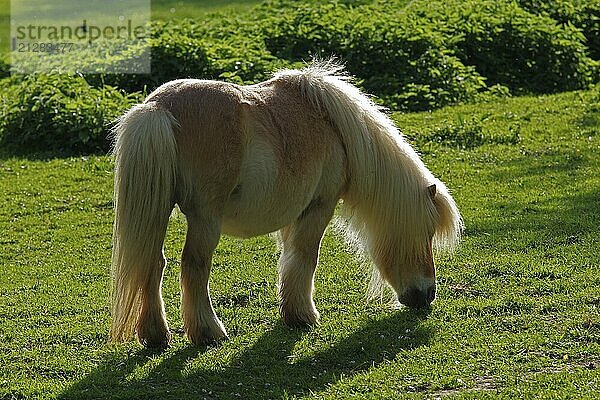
(167, 9)
(161, 9)
(516, 314)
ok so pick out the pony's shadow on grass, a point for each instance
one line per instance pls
(268, 369)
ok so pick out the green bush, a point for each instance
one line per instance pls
(404, 61)
(237, 59)
(582, 14)
(4, 66)
(58, 113)
(424, 54)
(513, 47)
(211, 49)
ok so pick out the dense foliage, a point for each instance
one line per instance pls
(582, 14)
(416, 55)
(513, 47)
(58, 112)
(403, 61)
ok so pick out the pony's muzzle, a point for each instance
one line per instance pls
(418, 298)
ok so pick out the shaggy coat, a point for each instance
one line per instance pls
(248, 160)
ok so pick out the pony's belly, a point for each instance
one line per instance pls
(267, 196)
(254, 213)
(249, 227)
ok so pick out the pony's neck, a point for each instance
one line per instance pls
(392, 178)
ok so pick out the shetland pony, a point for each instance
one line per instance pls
(248, 160)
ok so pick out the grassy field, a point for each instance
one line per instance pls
(161, 9)
(165, 9)
(516, 315)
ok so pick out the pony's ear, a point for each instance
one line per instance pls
(431, 190)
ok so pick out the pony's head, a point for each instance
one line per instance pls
(404, 255)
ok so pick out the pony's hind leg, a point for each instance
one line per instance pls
(298, 261)
(201, 324)
(152, 329)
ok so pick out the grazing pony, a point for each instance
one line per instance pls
(248, 160)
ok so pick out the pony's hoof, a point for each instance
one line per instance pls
(210, 341)
(206, 338)
(158, 342)
(298, 319)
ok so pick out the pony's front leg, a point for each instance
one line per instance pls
(298, 261)
(201, 324)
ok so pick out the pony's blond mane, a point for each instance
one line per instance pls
(386, 205)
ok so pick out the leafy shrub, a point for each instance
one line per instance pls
(401, 59)
(238, 59)
(177, 55)
(413, 55)
(512, 47)
(436, 78)
(58, 112)
(582, 14)
(504, 43)
(207, 49)
(416, 73)
(4, 67)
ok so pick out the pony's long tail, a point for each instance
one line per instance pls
(145, 169)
